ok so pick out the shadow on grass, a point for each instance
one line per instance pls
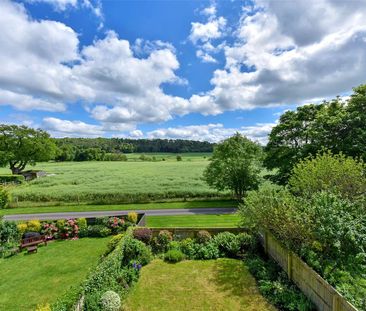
(233, 278)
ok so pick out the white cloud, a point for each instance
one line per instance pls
(58, 4)
(43, 67)
(213, 29)
(136, 134)
(66, 128)
(213, 132)
(296, 52)
(206, 58)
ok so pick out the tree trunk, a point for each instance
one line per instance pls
(17, 169)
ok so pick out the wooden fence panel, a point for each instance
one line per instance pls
(319, 291)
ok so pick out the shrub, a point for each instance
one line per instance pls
(327, 172)
(22, 228)
(246, 242)
(112, 244)
(162, 241)
(60, 224)
(34, 225)
(143, 234)
(132, 217)
(116, 224)
(179, 158)
(49, 230)
(98, 231)
(135, 250)
(187, 246)
(82, 223)
(227, 243)
(274, 284)
(207, 251)
(4, 198)
(110, 301)
(69, 230)
(8, 232)
(203, 236)
(174, 245)
(173, 255)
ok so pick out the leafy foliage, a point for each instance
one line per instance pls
(110, 301)
(143, 234)
(235, 166)
(4, 197)
(337, 125)
(21, 145)
(328, 172)
(173, 256)
(203, 236)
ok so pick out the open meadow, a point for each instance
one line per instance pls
(117, 182)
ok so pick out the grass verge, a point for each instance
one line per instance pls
(194, 221)
(28, 280)
(223, 284)
(91, 208)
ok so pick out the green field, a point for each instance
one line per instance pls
(28, 280)
(116, 182)
(223, 284)
(194, 221)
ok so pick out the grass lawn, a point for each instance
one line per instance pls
(140, 206)
(194, 221)
(223, 284)
(115, 182)
(28, 280)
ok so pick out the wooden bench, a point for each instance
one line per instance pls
(33, 241)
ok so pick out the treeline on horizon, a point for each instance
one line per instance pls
(114, 149)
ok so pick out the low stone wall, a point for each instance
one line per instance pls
(183, 233)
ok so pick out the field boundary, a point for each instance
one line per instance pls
(319, 291)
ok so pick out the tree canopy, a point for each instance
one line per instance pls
(235, 166)
(338, 125)
(21, 145)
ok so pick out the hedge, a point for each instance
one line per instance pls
(15, 179)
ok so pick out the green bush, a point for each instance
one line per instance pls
(113, 242)
(110, 301)
(162, 240)
(8, 232)
(173, 255)
(135, 250)
(82, 223)
(174, 245)
(274, 284)
(227, 243)
(187, 246)
(98, 231)
(203, 236)
(4, 198)
(247, 242)
(13, 179)
(332, 173)
(60, 224)
(34, 226)
(132, 217)
(207, 251)
(143, 234)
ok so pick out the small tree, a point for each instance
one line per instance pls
(235, 166)
(21, 145)
(331, 173)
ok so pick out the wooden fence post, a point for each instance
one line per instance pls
(335, 303)
(289, 265)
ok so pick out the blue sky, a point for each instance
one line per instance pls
(174, 69)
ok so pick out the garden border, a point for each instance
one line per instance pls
(319, 291)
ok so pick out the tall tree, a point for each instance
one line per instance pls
(235, 166)
(338, 125)
(21, 145)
